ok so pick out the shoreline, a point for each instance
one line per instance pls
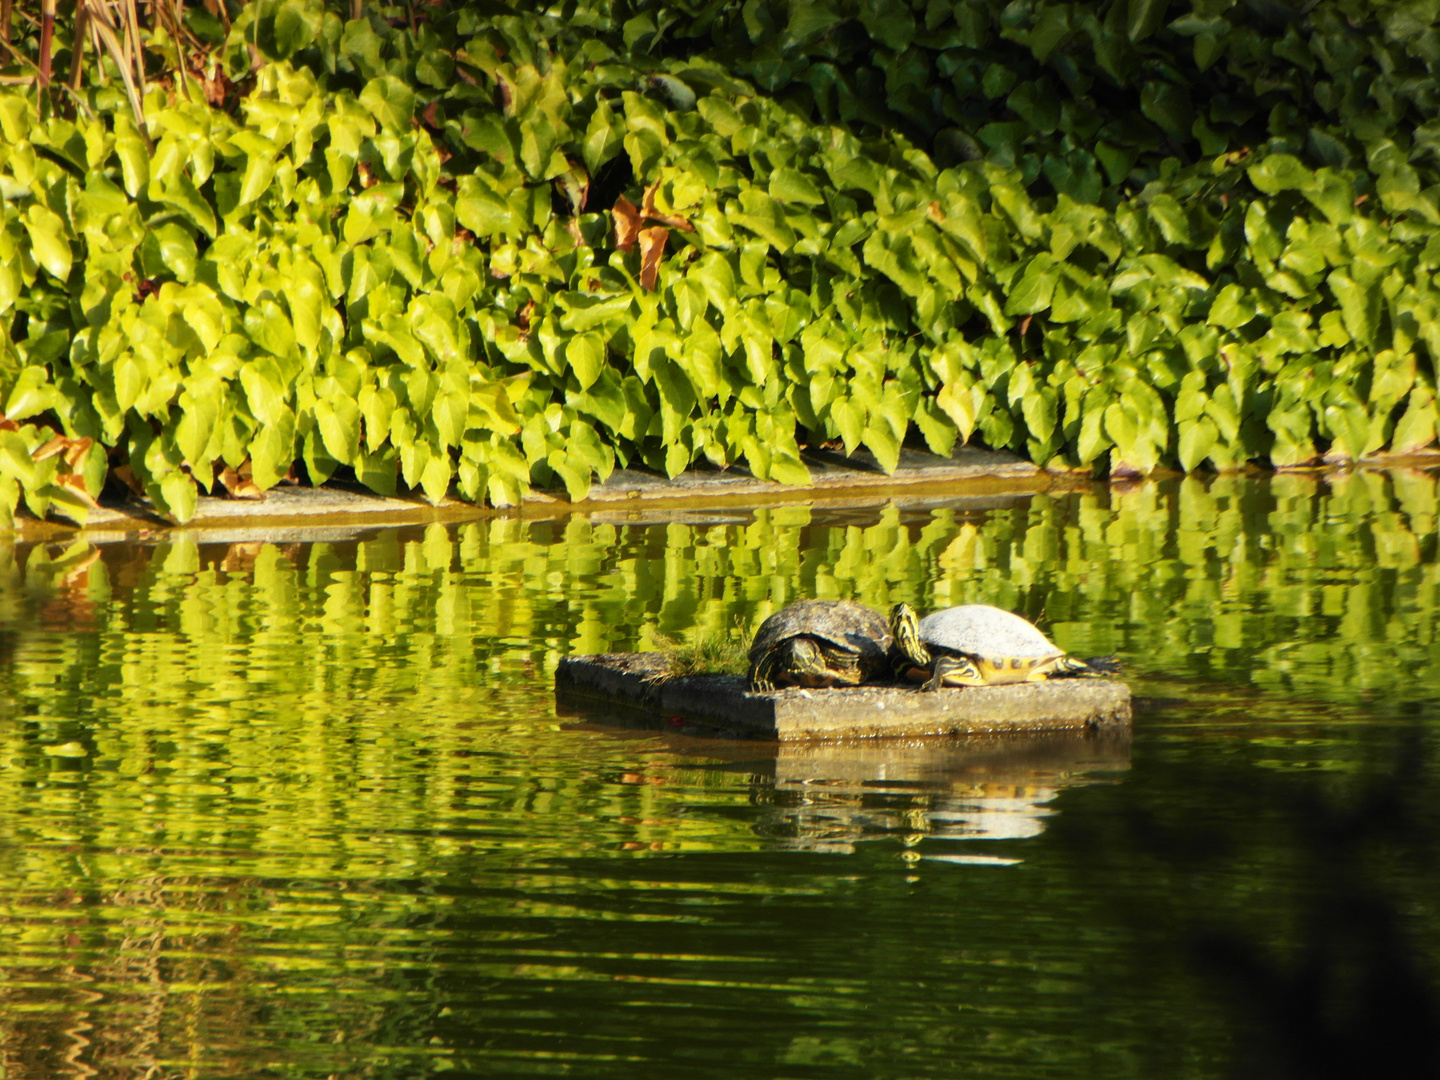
(337, 510)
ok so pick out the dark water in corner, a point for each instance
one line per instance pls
(308, 810)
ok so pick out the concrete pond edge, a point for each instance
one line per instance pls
(344, 507)
(336, 511)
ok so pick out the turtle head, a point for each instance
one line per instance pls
(905, 629)
(797, 662)
(806, 665)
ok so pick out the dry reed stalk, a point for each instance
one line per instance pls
(77, 46)
(136, 48)
(110, 37)
(47, 39)
(173, 18)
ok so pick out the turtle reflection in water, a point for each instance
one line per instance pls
(980, 645)
(817, 643)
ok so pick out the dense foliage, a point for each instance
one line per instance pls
(471, 245)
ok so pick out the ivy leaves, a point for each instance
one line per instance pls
(391, 257)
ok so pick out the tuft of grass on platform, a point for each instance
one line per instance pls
(716, 652)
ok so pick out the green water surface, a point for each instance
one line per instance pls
(309, 809)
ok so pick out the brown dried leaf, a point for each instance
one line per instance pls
(77, 485)
(652, 250)
(6, 424)
(627, 223)
(51, 448)
(217, 88)
(240, 486)
(77, 449)
(654, 214)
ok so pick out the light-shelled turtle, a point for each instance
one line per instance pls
(817, 643)
(980, 645)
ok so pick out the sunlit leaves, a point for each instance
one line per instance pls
(1420, 423)
(283, 27)
(390, 227)
(585, 356)
(1359, 306)
(1279, 172)
(48, 240)
(789, 185)
(1232, 309)
(338, 419)
(1035, 287)
(389, 101)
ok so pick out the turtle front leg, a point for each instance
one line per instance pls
(960, 669)
(761, 677)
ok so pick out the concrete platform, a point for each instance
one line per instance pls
(636, 681)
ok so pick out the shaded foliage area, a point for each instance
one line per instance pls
(487, 247)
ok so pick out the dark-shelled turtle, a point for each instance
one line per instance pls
(818, 643)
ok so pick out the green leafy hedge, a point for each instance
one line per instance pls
(477, 246)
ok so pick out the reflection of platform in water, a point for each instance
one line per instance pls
(929, 793)
(829, 796)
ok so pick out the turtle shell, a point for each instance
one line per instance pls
(843, 624)
(986, 632)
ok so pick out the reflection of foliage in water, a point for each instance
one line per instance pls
(1331, 585)
(237, 771)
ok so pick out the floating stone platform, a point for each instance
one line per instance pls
(637, 681)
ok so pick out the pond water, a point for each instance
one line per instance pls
(308, 809)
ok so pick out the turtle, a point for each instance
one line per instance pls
(817, 643)
(980, 645)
